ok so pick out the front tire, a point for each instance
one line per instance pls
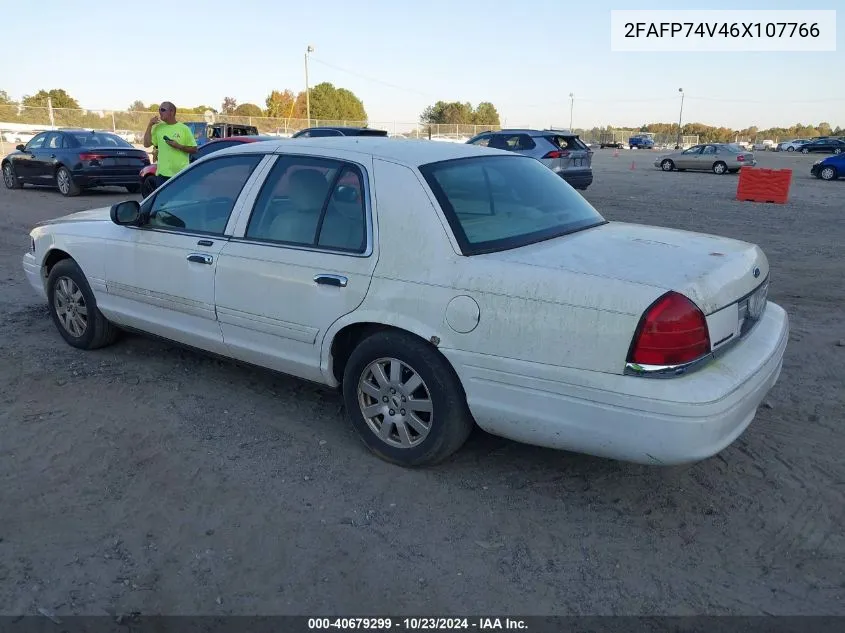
(10, 179)
(65, 184)
(74, 308)
(828, 173)
(667, 165)
(405, 400)
(790, 149)
(720, 168)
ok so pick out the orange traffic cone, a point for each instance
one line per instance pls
(616, 153)
(633, 166)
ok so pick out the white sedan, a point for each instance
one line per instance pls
(438, 286)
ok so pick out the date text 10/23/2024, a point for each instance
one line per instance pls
(723, 30)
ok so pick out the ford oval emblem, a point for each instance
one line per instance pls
(756, 273)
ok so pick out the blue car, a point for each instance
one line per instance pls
(829, 168)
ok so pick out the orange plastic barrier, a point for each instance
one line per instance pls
(764, 185)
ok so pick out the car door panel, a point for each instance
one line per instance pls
(275, 301)
(161, 276)
(26, 163)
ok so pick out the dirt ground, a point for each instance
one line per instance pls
(146, 478)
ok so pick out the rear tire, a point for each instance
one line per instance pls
(74, 308)
(65, 184)
(790, 149)
(805, 151)
(386, 374)
(10, 179)
(720, 168)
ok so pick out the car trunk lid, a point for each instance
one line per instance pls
(567, 152)
(712, 271)
(113, 159)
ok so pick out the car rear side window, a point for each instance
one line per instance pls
(497, 203)
(512, 142)
(312, 202)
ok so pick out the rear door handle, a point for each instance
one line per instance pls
(200, 258)
(331, 280)
(205, 243)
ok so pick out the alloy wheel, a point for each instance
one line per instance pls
(69, 303)
(395, 402)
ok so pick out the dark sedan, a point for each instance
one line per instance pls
(74, 160)
(827, 145)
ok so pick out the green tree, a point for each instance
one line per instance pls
(229, 105)
(336, 104)
(137, 106)
(486, 114)
(455, 112)
(58, 96)
(5, 99)
(248, 109)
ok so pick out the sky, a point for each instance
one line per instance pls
(398, 56)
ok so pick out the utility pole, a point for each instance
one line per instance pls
(308, 50)
(680, 119)
(571, 108)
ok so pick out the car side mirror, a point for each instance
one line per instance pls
(126, 213)
(21, 147)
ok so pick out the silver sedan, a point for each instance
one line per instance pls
(720, 158)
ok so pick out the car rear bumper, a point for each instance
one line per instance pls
(644, 420)
(580, 179)
(32, 270)
(116, 178)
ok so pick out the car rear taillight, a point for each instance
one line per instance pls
(85, 156)
(741, 157)
(673, 331)
(557, 154)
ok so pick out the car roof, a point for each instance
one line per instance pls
(410, 152)
(341, 128)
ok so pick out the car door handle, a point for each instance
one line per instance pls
(331, 280)
(200, 258)
(205, 243)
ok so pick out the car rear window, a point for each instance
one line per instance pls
(373, 132)
(99, 139)
(566, 142)
(496, 203)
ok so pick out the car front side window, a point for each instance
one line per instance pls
(201, 199)
(37, 142)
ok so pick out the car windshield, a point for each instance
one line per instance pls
(496, 203)
(99, 139)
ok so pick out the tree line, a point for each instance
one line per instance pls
(327, 103)
(330, 103)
